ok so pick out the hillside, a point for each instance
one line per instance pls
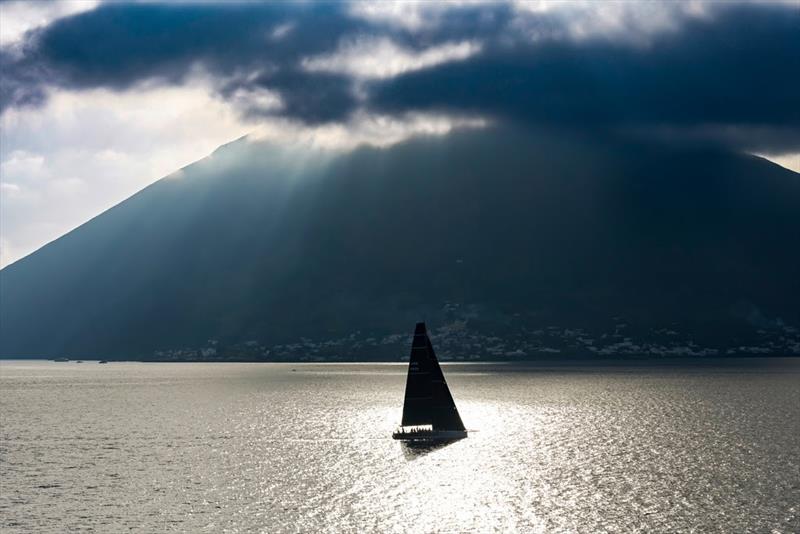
(510, 244)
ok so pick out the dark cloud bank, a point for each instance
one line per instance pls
(730, 78)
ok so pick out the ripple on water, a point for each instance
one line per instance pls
(242, 447)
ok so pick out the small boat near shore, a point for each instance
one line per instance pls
(429, 411)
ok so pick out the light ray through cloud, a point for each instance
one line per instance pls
(83, 125)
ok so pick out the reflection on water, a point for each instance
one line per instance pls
(259, 447)
(416, 449)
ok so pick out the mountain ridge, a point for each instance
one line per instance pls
(258, 252)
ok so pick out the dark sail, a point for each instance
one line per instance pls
(443, 411)
(428, 400)
(417, 405)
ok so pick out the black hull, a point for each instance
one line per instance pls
(430, 435)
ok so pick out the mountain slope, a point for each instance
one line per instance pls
(511, 243)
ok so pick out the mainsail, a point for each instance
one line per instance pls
(428, 400)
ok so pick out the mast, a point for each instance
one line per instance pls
(428, 400)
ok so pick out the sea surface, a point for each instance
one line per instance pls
(638, 447)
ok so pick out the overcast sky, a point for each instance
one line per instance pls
(98, 100)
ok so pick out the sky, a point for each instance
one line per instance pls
(100, 99)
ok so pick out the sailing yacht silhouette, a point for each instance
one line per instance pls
(429, 411)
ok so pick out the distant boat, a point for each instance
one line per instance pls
(429, 411)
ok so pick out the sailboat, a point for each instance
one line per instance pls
(429, 411)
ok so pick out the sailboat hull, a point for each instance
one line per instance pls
(429, 435)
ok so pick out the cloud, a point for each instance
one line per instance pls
(120, 46)
(423, 17)
(692, 68)
(618, 20)
(22, 16)
(734, 72)
(370, 58)
(306, 55)
(363, 129)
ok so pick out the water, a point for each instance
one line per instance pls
(306, 448)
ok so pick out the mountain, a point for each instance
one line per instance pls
(510, 243)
